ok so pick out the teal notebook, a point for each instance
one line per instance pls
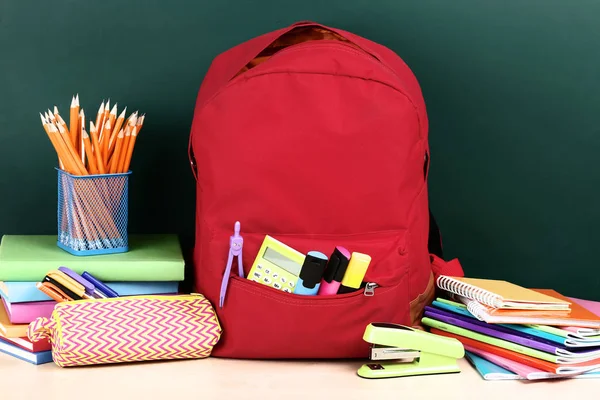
(490, 371)
(27, 258)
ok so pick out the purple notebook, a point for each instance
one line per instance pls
(507, 334)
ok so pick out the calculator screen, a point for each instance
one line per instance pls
(282, 261)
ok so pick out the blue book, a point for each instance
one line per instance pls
(42, 357)
(490, 371)
(21, 292)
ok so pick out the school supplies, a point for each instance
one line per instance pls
(105, 290)
(578, 316)
(500, 295)
(553, 334)
(92, 177)
(286, 167)
(510, 335)
(66, 283)
(149, 328)
(485, 361)
(112, 138)
(26, 344)
(533, 351)
(277, 265)
(334, 272)
(311, 273)
(357, 268)
(89, 288)
(437, 354)
(236, 245)
(7, 328)
(488, 370)
(24, 313)
(55, 292)
(151, 257)
(36, 358)
(26, 292)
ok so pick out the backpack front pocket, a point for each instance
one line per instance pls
(260, 321)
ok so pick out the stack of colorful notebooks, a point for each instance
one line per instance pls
(154, 264)
(511, 332)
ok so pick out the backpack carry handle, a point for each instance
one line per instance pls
(256, 47)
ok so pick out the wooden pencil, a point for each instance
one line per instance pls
(74, 120)
(96, 149)
(79, 167)
(116, 130)
(81, 128)
(114, 164)
(87, 145)
(53, 141)
(131, 144)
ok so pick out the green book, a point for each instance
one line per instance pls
(28, 258)
(443, 326)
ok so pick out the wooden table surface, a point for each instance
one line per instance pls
(214, 378)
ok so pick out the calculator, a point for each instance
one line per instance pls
(277, 265)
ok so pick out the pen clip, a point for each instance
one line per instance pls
(89, 287)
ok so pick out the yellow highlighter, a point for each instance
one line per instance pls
(357, 268)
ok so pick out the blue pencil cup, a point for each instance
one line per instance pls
(93, 213)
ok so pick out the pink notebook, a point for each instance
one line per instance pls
(530, 373)
(594, 307)
(24, 313)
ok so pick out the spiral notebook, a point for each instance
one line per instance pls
(501, 295)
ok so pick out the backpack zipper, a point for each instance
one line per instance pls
(370, 289)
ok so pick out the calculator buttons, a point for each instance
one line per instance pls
(276, 285)
(267, 271)
(283, 280)
(259, 266)
(257, 275)
(291, 283)
(267, 280)
(287, 290)
(275, 275)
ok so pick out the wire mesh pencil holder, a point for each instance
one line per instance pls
(93, 213)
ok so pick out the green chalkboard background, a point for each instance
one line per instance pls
(512, 88)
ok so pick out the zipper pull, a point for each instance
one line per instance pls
(370, 289)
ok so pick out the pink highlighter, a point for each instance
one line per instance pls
(334, 272)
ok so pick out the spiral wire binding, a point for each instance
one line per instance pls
(468, 291)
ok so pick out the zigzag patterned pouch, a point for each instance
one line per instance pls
(126, 329)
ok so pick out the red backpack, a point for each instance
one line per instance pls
(318, 138)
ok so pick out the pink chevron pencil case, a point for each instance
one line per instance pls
(127, 329)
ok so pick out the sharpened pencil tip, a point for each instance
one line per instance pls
(55, 110)
(43, 119)
(73, 102)
(114, 110)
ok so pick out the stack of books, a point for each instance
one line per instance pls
(511, 332)
(153, 265)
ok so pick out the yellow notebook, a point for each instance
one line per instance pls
(501, 294)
